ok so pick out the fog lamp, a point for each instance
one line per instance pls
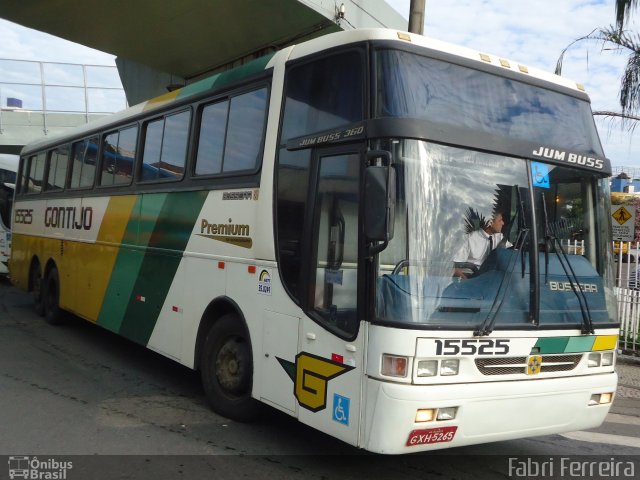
(449, 367)
(448, 413)
(601, 398)
(606, 398)
(425, 415)
(394, 366)
(427, 368)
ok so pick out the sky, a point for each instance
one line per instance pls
(530, 33)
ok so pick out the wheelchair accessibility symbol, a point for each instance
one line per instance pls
(341, 409)
(540, 175)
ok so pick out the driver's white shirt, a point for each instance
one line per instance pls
(476, 248)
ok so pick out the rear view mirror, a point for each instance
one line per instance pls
(376, 205)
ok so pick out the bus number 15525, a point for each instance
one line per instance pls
(471, 346)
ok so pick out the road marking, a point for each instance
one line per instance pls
(624, 419)
(593, 437)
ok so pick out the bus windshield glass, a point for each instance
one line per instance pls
(464, 238)
(414, 86)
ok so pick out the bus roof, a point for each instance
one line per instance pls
(310, 47)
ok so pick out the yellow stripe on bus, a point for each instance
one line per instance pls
(101, 256)
(605, 342)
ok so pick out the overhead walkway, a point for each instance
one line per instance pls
(42, 98)
(164, 43)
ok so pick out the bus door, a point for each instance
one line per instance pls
(329, 364)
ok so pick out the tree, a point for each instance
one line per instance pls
(623, 11)
(619, 40)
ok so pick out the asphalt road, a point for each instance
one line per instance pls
(117, 410)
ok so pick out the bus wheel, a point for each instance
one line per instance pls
(51, 298)
(227, 370)
(36, 289)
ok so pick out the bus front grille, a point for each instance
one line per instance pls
(518, 365)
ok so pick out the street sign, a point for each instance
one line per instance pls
(623, 222)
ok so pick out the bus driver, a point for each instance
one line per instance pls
(478, 245)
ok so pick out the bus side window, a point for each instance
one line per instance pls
(118, 157)
(245, 131)
(58, 164)
(213, 126)
(231, 134)
(83, 163)
(165, 147)
(35, 173)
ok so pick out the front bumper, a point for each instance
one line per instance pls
(487, 411)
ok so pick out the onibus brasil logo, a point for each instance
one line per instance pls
(36, 469)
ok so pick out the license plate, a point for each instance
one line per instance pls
(431, 435)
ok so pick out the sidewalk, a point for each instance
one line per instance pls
(627, 399)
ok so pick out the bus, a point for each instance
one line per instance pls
(8, 169)
(289, 228)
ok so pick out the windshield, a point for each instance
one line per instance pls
(464, 241)
(414, 86)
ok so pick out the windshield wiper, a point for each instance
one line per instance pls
(563, 259)
(523, 233)
(487, 325)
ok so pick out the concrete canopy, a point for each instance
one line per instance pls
(188, 38)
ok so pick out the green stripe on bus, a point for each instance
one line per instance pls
(579, 344)
(551, 345)
(564, 344)
(129, 261)
(226, 78)
(161, 261)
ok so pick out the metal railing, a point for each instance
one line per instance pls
(59, 88)
(628, 293)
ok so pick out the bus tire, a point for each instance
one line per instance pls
(36, 289)
(226, 368)
(51, 298)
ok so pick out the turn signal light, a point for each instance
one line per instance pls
(394, 366)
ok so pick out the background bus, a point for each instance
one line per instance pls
(8, 169)
(289, 229)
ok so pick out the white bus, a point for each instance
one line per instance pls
(8, 169)
(292, 228)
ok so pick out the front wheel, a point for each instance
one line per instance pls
(227, 370)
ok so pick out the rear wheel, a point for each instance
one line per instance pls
(51, 296)
(36, 288)
(227, 370)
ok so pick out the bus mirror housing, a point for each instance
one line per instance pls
(379, 206)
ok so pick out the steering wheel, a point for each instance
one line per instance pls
(467, 266)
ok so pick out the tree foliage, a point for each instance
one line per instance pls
(621, 41)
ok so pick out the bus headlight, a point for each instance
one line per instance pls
(594, 360)
(449, 367)
(427, 368)
(394, 366)
(607, 359)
